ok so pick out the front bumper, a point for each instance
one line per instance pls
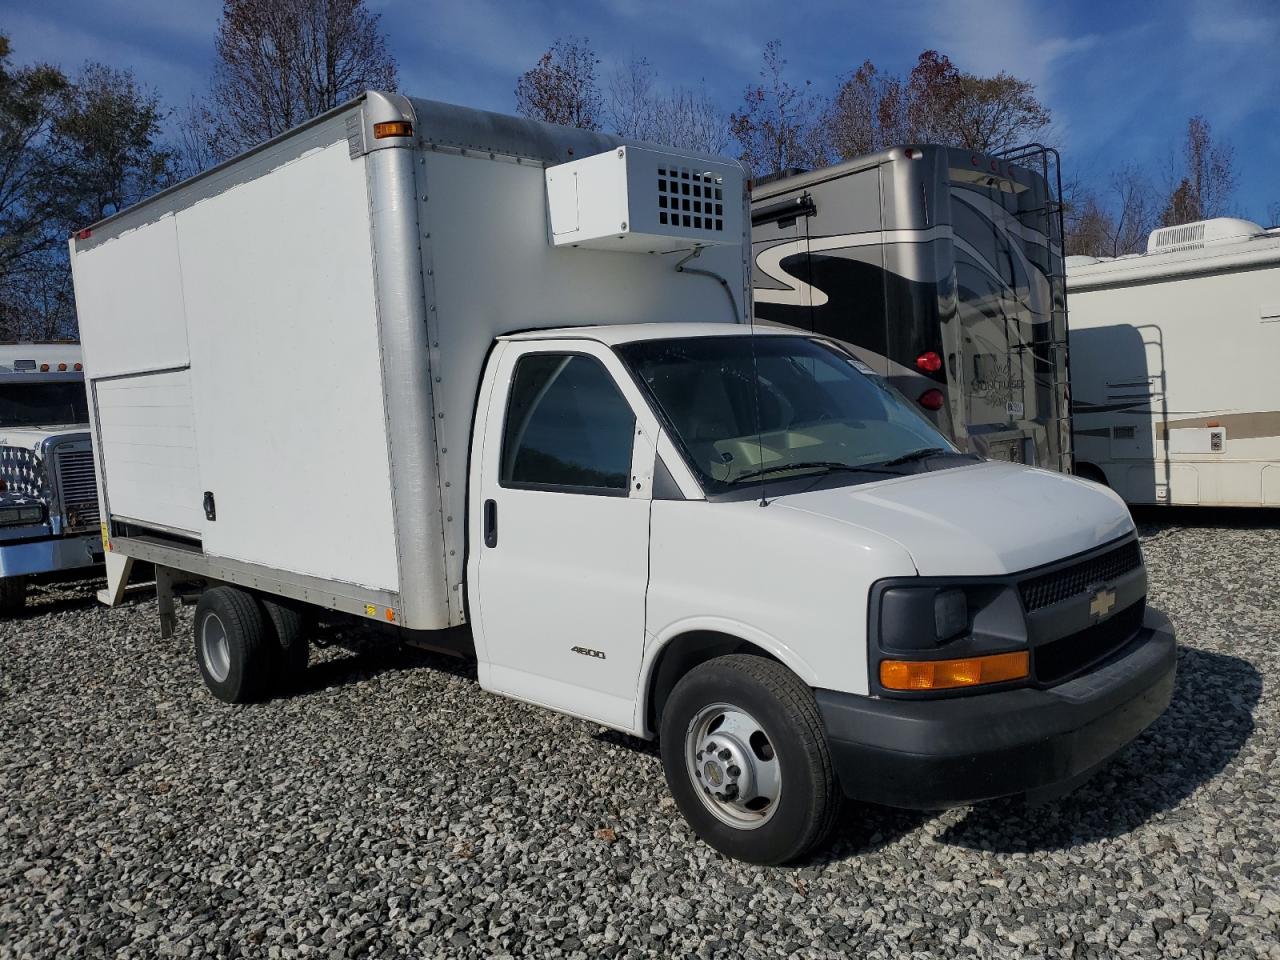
(933, 754)
(47, 556)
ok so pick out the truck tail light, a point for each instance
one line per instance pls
(950, 674)
(929, 362)
(932, 399)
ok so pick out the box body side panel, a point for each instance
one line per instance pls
(278, 277)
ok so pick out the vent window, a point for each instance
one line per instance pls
(691, 199)
(1122, 433)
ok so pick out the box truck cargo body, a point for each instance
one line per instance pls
(289, 378)
(493, 383)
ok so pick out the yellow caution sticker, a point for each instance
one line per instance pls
(370, 610)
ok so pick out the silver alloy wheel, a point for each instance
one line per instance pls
(215, 649)
(733, 766)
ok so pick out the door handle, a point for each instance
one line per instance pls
(491, 523)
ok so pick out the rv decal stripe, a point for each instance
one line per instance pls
(1239, 426)
(797, 292)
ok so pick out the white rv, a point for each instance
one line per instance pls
(526, 416)
(1173, 356)
(48, 496)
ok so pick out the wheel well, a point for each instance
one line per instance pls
(682, 654)
(1091, 471)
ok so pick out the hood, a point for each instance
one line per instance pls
(30, 438)
(987, 519)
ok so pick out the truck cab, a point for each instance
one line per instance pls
(768, 552)
(48, 491)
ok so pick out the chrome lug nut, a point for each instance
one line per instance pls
(725, 755)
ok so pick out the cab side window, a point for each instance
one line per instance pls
(567, 427)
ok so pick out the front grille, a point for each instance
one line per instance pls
(77, 488)
(1069, 655)
(1050, 588)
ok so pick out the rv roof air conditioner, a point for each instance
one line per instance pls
(1203, 233)
(644, 201)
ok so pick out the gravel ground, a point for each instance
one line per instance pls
(394, 809)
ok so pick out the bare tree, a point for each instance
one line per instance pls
(1115, 224)
(685, 117)
(990, 114)
(934, 103)
(852, 122)
(776, 127)
(688, 118)
(1205, 179)
(281, 62)
(632, 108)
(563, 88)
(1273, 213)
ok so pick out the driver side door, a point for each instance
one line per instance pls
(560, 530)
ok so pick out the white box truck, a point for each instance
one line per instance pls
(492, 383)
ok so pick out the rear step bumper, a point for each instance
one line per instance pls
(933, 754)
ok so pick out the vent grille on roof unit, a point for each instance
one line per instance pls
(1189, 236)
(690, 198)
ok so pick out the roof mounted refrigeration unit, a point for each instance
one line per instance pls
(644, 201)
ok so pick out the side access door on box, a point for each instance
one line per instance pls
(559, 528)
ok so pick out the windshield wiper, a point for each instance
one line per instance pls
(922, 454)
(827, 466)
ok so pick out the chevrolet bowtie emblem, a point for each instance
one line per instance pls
(1102, 602)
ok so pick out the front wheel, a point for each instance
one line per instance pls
(746, 758)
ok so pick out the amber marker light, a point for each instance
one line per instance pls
(392, 128)
(950, 674)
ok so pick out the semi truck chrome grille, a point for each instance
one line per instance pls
(77, 488)
(1050, 588)
(1067, 656)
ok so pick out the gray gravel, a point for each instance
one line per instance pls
(393, 808)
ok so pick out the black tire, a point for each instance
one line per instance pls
(290, 625)
(13, 595)
(809, 800)
(240, 672)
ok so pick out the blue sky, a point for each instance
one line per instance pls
(1120, 77)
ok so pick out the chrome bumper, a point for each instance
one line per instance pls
(46, 556)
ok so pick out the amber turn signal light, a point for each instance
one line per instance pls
(949, 674)
(392, 128)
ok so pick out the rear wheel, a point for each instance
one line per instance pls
(13, 595)
(232, 645)
(746, 758)
(290, 626)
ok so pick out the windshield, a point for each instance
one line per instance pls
(814, 410)
(42, 404)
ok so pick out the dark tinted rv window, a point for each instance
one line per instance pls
(42, 404)
(567, 427)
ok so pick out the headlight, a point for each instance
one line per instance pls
(16, 516)
(921, 618)
(950, 614)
